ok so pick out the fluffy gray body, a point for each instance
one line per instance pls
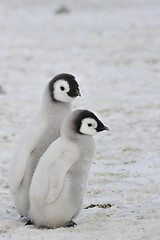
(50, 132)
(59, 182)
(70, 197)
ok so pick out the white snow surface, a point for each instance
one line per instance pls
(113, 49)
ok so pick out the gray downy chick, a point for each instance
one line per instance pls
(59, 181)
(41, 132)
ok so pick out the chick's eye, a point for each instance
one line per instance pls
(89, 125)
(62, 88)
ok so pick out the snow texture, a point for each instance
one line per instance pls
(113, 49)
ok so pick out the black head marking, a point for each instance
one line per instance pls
(87, 114)
(73, 85)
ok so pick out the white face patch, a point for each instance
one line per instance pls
(88, 126)
(61, 88)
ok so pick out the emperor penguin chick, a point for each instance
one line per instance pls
(59, 181)
(42, 131)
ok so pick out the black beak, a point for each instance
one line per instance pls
(106, 128)
(102, 128)
(78, 93)
(74, 93)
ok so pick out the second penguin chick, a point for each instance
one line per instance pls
(41, 132)
(59, 182)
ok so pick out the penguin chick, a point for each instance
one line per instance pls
(42, 131)
(59, 181)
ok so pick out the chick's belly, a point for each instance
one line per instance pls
(64, 208)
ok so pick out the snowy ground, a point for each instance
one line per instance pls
(113, 49)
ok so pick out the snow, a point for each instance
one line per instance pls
(112, 47)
